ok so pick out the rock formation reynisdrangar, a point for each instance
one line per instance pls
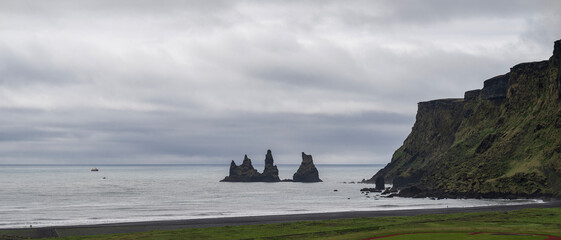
(501, 141)
(270, 172)
(247, 173)
(307, 172)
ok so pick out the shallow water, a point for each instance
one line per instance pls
(73, 195)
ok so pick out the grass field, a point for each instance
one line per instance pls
(466, 236)
(438, 226)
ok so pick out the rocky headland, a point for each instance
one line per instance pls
(503, 140)
(307, 172)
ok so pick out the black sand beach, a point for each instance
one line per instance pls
(81, 230)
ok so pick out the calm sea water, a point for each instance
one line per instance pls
(73, 195)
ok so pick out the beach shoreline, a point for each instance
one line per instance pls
(130, 227)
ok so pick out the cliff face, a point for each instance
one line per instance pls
(501, 141)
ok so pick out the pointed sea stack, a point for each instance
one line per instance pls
(247, 173)
(307, 172)
(271, 172)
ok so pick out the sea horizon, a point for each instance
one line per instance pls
(180, 164)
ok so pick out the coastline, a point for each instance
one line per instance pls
(129, 227)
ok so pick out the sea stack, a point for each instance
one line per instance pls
(242, 173)
(307, 172)
(271, 172)
(380, 183)
(247, 173)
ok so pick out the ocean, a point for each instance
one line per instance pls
(55, 195)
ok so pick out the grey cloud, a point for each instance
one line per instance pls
(209, 81)
(546, 27)
(141, 139)
(442, 10)
(56, 7)
(17, 135)
(17, 71)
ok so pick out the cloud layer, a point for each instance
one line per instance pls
(208, 81)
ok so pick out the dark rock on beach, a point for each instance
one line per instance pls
(389, 191)
(307, 172)
(370, 190)
(420, 192)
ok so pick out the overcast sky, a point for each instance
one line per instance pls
(98, 82)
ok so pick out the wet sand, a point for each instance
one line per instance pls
(82, 230)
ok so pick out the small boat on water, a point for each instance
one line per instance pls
(94, 170)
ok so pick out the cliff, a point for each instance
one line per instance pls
(501, 141)
(247, 173)
(307, 172)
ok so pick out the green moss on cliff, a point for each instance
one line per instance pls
(502, 141)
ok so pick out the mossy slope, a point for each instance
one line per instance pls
(490, 143)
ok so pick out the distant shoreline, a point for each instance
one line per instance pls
(129, 227)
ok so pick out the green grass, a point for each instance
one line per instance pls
(463, 236)
(538, 221)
